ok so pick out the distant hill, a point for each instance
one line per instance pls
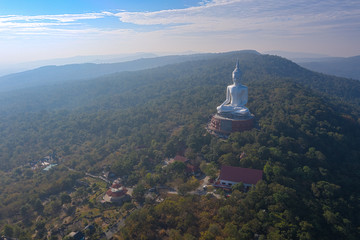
(342, 67)
(120, 90)
(294, 56)
(49, 75)
(10, 68)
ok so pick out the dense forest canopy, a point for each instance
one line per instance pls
(306, 141)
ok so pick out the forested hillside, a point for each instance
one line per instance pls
(310, 157)
(116, 90)
(50, 75)
(307, 143)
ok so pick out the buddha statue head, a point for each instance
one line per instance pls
(236, 75)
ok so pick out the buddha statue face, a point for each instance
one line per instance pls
(236, 75)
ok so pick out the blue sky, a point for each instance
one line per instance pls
(33, 29)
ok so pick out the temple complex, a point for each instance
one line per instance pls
(232, 115)
(117, 193)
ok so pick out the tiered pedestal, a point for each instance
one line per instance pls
(226, 124)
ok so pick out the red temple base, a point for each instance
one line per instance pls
(227, 124)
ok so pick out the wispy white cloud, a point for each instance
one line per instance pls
(294, 16)
(178, 16)
(212, 25)
(58, 18)
(46, 24)
(237, 16)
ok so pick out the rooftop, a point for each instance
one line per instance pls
(119, 193)
(180, 158)
(238, 174)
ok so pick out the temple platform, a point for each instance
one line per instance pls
(226, 124)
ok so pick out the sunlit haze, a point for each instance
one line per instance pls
(34, 30)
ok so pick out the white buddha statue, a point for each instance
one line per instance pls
(236, 97)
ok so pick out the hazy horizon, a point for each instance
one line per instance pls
(38, 30)
(6, 69)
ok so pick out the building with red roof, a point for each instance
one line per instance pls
(179, 158)
(230, 176)
(116, 193)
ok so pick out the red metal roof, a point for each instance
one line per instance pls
(116, 185)
(116, 194)
(238, 174)
(180, 158)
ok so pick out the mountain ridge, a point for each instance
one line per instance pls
(342, 67)
(254, 66)
(48, 75)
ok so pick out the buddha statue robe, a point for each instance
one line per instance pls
(236, 97)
